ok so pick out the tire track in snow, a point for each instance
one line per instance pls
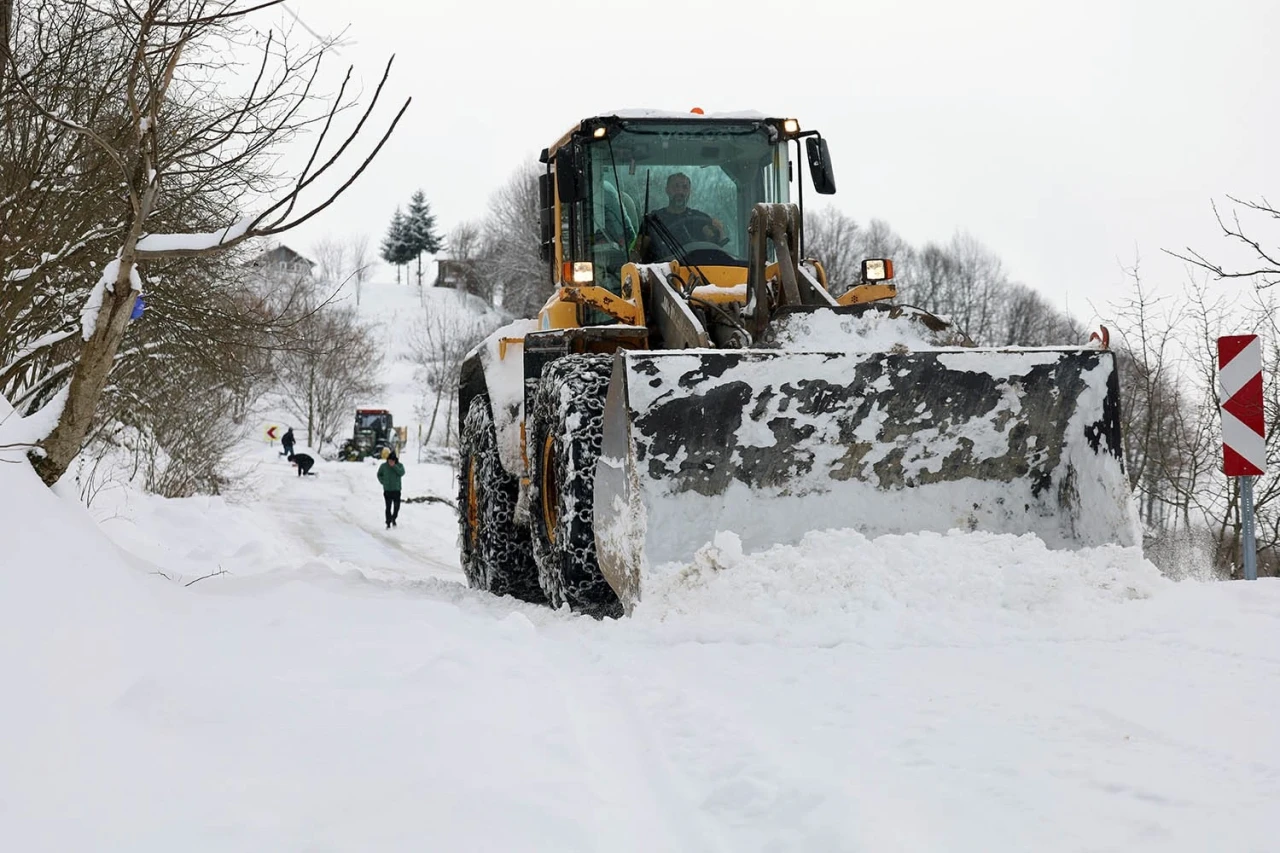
(640, 801)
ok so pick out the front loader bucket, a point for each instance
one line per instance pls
(771, 444)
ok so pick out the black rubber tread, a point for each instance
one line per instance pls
(569, 407)
(501, 559)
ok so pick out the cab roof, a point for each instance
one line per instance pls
(664, 116)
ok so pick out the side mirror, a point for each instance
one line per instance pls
(567, 184)
(824, 179)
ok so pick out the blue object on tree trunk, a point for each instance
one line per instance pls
(138, 307)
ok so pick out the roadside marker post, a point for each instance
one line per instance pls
(1244, 440)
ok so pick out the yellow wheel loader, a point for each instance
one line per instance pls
(693, 372)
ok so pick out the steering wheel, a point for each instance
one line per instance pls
(695, 231)
(688, 231)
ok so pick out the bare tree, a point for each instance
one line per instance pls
(1023, 317)
(1165, 450)
(964, 281)
(1263, 265)
(439, 342)
(361, 259)
(160, 132)
(1172, 424)
(512, 238)
(1214, 317)
(328, 363)
(331, 258)
(836, 241)
(466, 248)
(343, 260)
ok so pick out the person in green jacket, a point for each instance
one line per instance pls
(389, 474)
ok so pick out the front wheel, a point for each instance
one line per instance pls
(565, 428)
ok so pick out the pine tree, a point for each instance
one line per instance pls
(396, 245)
(420, 230)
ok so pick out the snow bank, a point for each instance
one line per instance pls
(18, 433)
(74, 620)
(953, 589)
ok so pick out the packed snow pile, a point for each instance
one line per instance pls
(897, 329)
(956, 589)
(18, 434)
(72, 608)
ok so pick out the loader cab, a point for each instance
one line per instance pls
(607, 181)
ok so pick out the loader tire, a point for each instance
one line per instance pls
(564, 432)
(496, 553)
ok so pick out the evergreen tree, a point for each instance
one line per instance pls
(396, 246)
(420, 230)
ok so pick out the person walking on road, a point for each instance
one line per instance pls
(286, 441)
(389, 474)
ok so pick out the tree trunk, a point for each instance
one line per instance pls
(432, 426)
(311, 404)
(6, 31)
(88, 378)
(448, 423)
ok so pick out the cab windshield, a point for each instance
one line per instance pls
(659, 190)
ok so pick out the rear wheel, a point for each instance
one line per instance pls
(564, 443)
(496, 552)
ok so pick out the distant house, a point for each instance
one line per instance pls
(281, 258)
(455, 274)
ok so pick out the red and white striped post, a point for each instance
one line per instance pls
(1244, 439)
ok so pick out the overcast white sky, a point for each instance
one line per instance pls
(1067, 137)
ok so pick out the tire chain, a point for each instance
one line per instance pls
(572, 388)
(501, 561)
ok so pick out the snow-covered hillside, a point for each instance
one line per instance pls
(283, 673)
(401, 313)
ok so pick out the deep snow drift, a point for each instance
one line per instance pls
(336, 687)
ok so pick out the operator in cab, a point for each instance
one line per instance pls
(679, 222)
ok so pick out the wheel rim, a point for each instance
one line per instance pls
(549, 488)
(473, 504)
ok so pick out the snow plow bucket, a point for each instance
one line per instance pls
(772, 444)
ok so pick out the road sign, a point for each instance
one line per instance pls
(1244, 429)
(1244, 446)
(273, 432)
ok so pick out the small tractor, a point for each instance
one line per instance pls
(694, 372)
(373, 432)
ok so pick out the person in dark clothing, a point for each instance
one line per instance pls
(303, 461)
(682, 223)
(389, 474)
(286, 441)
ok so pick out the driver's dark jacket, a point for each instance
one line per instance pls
(685, 227)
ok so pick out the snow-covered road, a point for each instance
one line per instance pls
(338, 514)
(340, 689)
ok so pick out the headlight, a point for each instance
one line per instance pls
(877, 269)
